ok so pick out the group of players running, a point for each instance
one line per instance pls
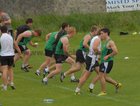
(90, 52)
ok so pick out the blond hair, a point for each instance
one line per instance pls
(71, 30)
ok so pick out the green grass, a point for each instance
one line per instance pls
(31, 92)
(118, 21)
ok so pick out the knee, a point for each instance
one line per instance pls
(28, 52)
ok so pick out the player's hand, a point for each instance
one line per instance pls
(35, 44)
(21, 56)
(106, 57)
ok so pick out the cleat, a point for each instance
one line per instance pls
(77, 93)
(37, 73)
(75, 80)
(44, 73)
(13, 87)
(102, 94)
(14, 65)
(118, 85)
(29, 66)
(62, 76)
(25, 69)
(45, 82)
(90, 90)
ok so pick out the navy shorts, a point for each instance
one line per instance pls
(106, 67)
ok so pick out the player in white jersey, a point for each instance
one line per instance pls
(91, 61)
(7, 57)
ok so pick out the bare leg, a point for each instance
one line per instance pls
(26, 57)
(45, 63)
(4, 76)
(102, 81)
(110, 80)
(82, 80)
(73, 69)
(16, 57)
(57, 71)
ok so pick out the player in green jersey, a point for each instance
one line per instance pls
(61, 53)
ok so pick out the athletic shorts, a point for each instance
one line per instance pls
(7, 60)
(60, 58)
(106, 67)
(23, 48)
(49, 53)
(91, 63)
(80, 56)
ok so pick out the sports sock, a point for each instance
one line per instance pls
(91, 86)
(77, 89)
(72, 77)
(38, 71)
(45, 79)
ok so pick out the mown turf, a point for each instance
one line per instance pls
(31, 92)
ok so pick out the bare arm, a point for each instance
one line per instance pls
(15, 34)
(33, 44)
(65, 42)
(48, 36)
(17, 48)
(24, 34)
(112, 46)
(86, 40)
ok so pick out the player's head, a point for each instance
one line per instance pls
(29, 22)
(71, 31)
(94, 30)
(104, 33)
(65, 26)
(37, 32)
(3, 29)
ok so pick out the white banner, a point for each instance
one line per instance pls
(122, 5)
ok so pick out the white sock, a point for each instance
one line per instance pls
(91, 86)
(5, 87)
(45, 79)
(46, 69)
(37, 71)
(77, 89)
(72, 77)
(12, 84)
(23, 65)
(64, 74)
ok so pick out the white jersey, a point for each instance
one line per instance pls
(6, 42)
(91, 51)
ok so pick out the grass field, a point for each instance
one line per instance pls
(31, 92)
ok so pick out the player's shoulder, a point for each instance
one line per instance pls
(64, 39)
(111, 42)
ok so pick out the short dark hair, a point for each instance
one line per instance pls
(3, 29)
(29, 20)
(64, 25)
(105, 30)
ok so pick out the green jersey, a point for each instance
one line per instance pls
(25, 40)
(50, 43)
(81, 47)
(59, 48)
(105, 51)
